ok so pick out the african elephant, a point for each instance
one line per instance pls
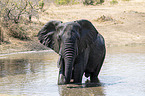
(80, 47)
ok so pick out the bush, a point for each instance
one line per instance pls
(18, 31)
(100, 1)
(1, 35)
(66, 2)
(88, 2)
(114, 2)
(125, 0)
(92, 2)
(62, 2)
(14, 13)
(16, 10)
(104, 18)
(41, 4)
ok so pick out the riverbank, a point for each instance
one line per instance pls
(122, 24)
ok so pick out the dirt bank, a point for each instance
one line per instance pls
(122, 24)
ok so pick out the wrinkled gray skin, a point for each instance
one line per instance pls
(80, 47)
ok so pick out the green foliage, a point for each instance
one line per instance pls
(125, 0)
(88, 2)
(92, 2)
(62, 2)
(66, 2)
(41, 4)
(114, 2)
(74, 2)
(99, 1)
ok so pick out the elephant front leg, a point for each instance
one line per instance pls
(78, 73)
(80, 65)
(61, 78)
(78, 70)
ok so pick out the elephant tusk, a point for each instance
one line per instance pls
(59, 61)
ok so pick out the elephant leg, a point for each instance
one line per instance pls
(80, 65)
(78, 73)
(61, 77)
(94, 75)
(97, 58)
(94, 78)
(79, 68)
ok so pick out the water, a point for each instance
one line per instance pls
(36, 73)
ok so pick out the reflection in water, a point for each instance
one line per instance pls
(36, 73)
(14, 67)
(85, 89)
(28, 73)
(81, 91)
(23, 63)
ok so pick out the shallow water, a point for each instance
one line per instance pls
(35, 74)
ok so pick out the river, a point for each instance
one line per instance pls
(35, 73)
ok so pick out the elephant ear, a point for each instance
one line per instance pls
(47, 35)
(88, 33)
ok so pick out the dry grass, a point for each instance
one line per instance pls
(105, 18)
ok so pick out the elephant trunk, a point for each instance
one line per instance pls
(69, 58)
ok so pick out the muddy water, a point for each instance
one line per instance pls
(35, 74)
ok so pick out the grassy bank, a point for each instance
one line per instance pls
(121, 24)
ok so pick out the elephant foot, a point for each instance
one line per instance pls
(94, 79)
(61, 79)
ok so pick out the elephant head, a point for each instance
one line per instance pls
(68, 40)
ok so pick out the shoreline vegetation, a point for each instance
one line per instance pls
(121, 22)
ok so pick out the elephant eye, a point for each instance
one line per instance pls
(59, 28)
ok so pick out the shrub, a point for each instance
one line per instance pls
(16, 10)
(114, 2)
(66, 2)
(62, 2)
(18, 31)
(104, 18)
(14, 13)
(125, 0)
(88, 2)
(92, 2)
(41, 4)
(1, 35)
(99, 1)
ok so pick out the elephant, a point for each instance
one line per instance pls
(80, 46)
